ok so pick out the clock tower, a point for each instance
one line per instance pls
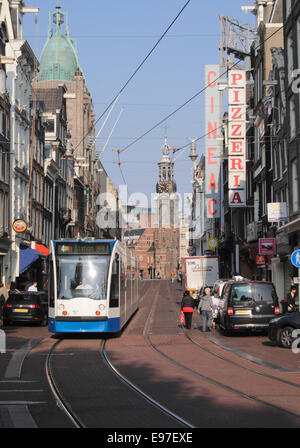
(167, 215)
(166, 183)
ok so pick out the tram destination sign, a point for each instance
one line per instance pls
(82, 249)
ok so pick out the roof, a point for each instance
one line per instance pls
(134, 232)
(59, 59)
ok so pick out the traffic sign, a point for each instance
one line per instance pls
(295, 258)
(213, 243)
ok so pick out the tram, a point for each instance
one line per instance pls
(93, 286)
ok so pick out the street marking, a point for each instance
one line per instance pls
(20, 391)
(21, 417)
(15, 365)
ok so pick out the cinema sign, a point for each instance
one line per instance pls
(237, 138)
(213, 146)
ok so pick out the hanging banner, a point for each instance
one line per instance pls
(213, 145)
(237, 138)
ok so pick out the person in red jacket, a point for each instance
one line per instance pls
(187, 306)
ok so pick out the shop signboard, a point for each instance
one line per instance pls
(267, 246)
(277, 212)
(237, 138)
(260, 260)
(213, 143)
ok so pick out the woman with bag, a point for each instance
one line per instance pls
(187, 308)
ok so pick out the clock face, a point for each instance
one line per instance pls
(163, 188)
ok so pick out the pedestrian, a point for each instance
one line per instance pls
(187, 306)
(205, 308)
(13, 289)
(3, 298)
(293, 299)
(179, 278)
(173, 277)
(33, 287)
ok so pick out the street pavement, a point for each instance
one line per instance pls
(208, 380)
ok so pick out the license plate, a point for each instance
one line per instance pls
(20, 311)
(243, 312)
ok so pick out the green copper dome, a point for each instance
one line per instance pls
(59, 60)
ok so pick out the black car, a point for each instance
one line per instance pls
(281, 329)
(27, 307)
(247, 305)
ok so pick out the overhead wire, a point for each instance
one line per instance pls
(138, 68)
(195, 96)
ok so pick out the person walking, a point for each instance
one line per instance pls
(206, 308)
(3, 298)
(188, 306)
(33, 287)
(293, 299)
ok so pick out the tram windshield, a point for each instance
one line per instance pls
(82, 277)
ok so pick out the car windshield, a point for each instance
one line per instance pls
(253, 292)
(82, 277)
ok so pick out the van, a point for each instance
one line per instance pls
(247, 305)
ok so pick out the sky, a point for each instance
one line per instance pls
(113, 37)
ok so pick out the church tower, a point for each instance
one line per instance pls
(166, 182)
(167, 217)
(167, 201)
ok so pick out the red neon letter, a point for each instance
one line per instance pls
(210, 81)
(211, 210)
(210, 155)
(236, 164)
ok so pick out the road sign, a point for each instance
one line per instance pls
(213, 243)
(295, 258)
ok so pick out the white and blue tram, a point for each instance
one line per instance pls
(93, 286)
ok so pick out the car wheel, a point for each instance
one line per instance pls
(284, 337)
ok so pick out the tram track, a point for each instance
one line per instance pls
(136, 389)
(234, 363)
(139, 390)
(209, 379)
(61, 402)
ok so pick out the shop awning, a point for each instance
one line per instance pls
(28, 256)
(44, 251)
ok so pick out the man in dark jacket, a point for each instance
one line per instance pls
(3, 297)
(293, 299)
(187, 306)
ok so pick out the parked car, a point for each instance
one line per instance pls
(281, 329)
(247, 305)
(27, 307)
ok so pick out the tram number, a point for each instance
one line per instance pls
(170, 437)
